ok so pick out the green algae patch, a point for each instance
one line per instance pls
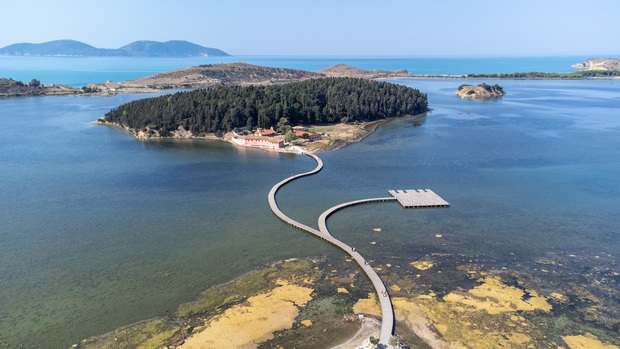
(330, 312)
(325, 321)
(149, 334)
(298, 265)
(253, 283)
(228, 294)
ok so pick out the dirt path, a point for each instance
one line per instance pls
(370, 327)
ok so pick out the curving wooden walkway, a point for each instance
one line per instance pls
(409, 198)
(275, 188)
(387, 312)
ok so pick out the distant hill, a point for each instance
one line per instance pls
(174, 48)
(229, 74)
(209, 75)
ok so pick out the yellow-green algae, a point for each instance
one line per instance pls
(161, 332)
(587, 341)
(490, 314)
(471, 307)
(149, 334)
(253, 321)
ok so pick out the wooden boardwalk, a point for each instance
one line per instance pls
(387, 311)
(421, 198)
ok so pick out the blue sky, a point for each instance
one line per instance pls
(336, 27)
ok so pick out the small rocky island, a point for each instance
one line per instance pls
(482, 91)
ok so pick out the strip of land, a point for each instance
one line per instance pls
(229, 74)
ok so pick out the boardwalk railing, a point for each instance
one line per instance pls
(387, 318)
(408, 198)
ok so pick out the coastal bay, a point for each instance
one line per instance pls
(151, 239)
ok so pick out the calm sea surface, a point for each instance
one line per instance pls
(99, 230)
(80, 71)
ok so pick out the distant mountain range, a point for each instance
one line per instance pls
(173, 48)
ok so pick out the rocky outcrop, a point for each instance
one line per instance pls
(343, 70)
(599, 64)
(482, 91)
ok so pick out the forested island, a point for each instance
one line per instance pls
(315, 101)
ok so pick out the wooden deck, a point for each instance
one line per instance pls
(420, 198)
(407, 198)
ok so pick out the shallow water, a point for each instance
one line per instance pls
(100, 230)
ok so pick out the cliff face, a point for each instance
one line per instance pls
(599, 64)
(482, 91)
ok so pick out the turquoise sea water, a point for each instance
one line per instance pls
(79, 71)
(100, 230)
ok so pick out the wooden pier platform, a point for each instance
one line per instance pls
(419, 198)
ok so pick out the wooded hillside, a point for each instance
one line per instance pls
(314, 101)
(15, 88)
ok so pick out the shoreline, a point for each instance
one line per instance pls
(481, 305)
(366, 128)
(208, 76)
(74, 91)
(465, 77)
(189, 326)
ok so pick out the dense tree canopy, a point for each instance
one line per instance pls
(10, 87)
(490, 88)
(314, 101)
